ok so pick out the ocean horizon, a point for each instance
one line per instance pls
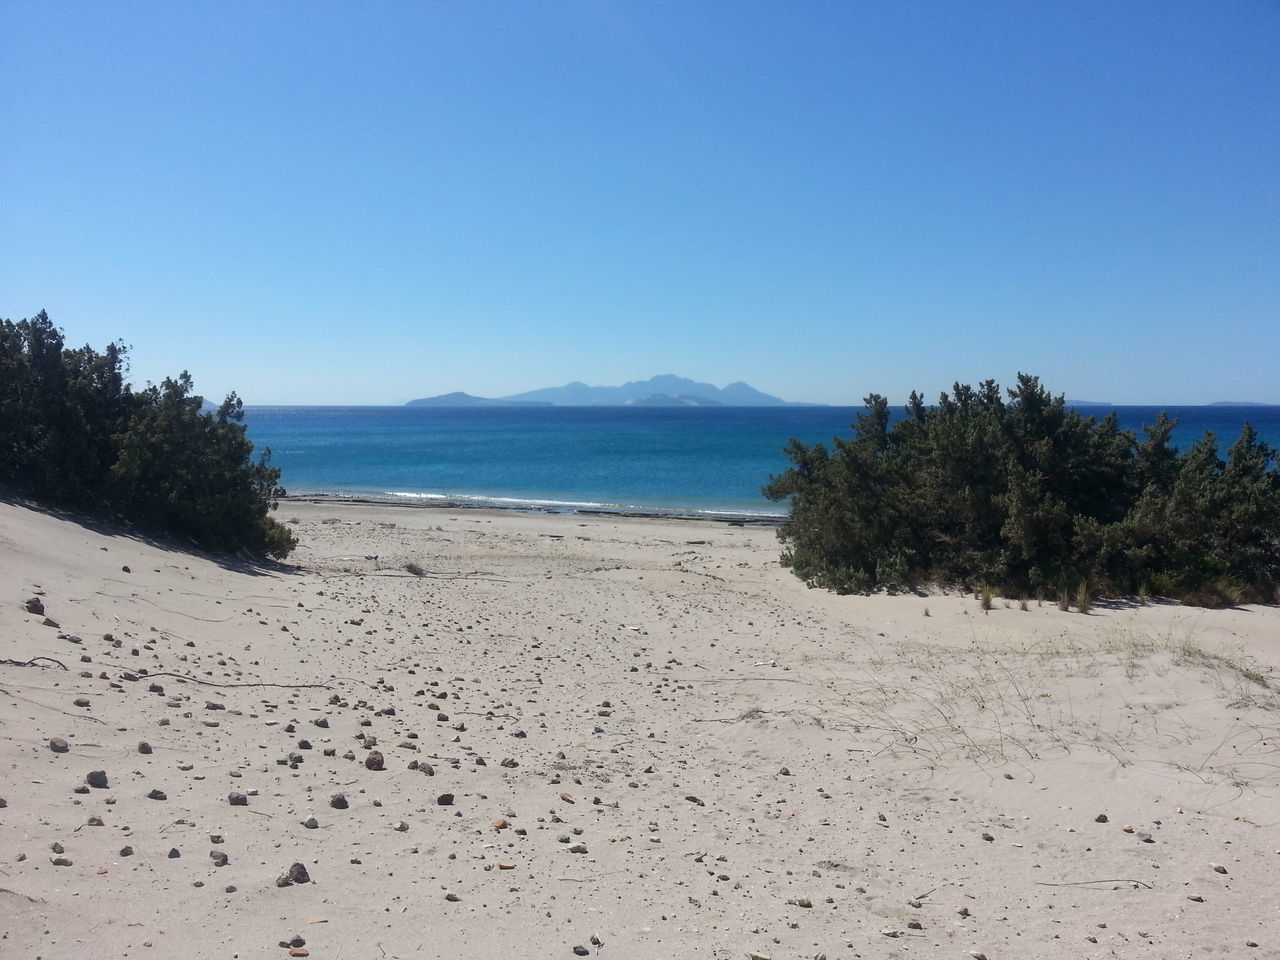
(700, 460)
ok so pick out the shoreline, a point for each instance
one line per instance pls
(443, 502)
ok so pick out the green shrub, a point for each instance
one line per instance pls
(74, 432)
(1014, 488)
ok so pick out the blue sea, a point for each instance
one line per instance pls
(679, 459)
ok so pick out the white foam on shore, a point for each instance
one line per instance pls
(533, 503)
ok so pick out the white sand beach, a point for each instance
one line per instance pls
(616, 737)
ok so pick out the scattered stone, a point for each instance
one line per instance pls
(81, 701)
(97, 779)
(219, 858)
(445, 800)
(784, 772)
(374, 761)
(157, 794)
(174, 853)
(237, 799)
(338, 801)
(581, 951)
(1101, 818)
(311, 823)
(35, 605)
(295, 874)
(144, 747)
(58, 745)
(1217, 868)
(401, 826)
(126, 851)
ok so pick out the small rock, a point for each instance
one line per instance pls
(338, 801)
(581, 951)
(784, 772)
(295, 874)
(219, 858)
(401, 826)
(374, 761)
(237, 799)
(311, 823)
(97, 779)
(35, 605)
(144, 747)
(445, 800)
(58, 745)
(1101, 818)
(157, 795)
(174, 853)
(1217, 868)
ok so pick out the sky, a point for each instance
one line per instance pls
(362, 203)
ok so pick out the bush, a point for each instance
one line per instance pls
(73, 432)
(1022, 493)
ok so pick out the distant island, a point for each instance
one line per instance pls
(665, 390)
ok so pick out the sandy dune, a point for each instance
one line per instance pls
(625, 737)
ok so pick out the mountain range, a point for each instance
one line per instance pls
(665, 390)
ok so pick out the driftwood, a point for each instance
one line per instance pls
(261, 683)
(32, 662)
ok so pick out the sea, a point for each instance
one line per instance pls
(679, 460)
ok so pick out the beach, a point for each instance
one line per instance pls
(443, 732)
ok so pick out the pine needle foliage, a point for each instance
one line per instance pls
(74, 433)
(1016, 490)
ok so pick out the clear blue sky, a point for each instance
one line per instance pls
(368, 202)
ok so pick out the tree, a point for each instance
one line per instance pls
(73, 432)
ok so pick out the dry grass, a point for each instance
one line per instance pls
(994, 706)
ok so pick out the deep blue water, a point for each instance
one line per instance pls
(684, 458)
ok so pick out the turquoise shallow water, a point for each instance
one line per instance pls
(706, 459)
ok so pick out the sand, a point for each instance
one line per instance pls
(657, 743)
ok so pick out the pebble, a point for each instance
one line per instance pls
(144, 747)
(445, 800)
(97, 779)
(295, 874)
(158, 795)
(58, 745)
(338, 801)
(1217, 868)
(374, 761)
(311, 823)
(237, 799)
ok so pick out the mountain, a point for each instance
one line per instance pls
(678, 391)
(459, 399)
